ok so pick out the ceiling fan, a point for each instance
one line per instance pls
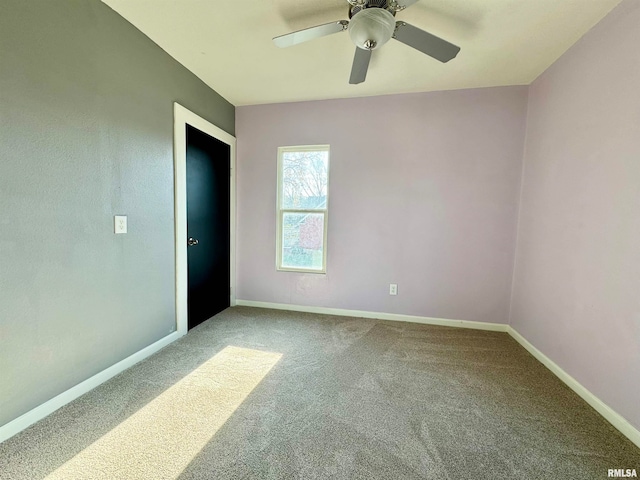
(372, 24)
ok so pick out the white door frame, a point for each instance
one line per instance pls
(181, 118)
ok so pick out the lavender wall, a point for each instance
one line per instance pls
(423, 193)
(577, 278)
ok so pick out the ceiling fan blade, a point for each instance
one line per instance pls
(360, 66)
(307, 34)
(427, 43)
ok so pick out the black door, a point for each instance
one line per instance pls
(208, 225)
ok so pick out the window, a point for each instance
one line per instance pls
(303, 178)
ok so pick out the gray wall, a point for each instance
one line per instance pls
(86, 132)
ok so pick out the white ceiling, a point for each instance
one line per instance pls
(228, 44)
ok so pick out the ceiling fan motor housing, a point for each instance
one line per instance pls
(372, 27)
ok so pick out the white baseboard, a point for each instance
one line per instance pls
(617, 420)
(32, 416)
(495, 327)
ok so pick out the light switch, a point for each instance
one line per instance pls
(120, 222)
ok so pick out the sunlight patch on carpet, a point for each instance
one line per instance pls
(162, 438)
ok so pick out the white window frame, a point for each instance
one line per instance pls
(281, 211)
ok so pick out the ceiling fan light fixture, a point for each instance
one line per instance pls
(371, 28)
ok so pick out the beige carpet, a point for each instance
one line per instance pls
(265, 394)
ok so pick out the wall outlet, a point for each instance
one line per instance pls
(393, 289)
(120, 224)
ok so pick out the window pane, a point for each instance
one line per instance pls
(304, 180)
(302, 240)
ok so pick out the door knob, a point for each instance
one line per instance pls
(192, 241)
